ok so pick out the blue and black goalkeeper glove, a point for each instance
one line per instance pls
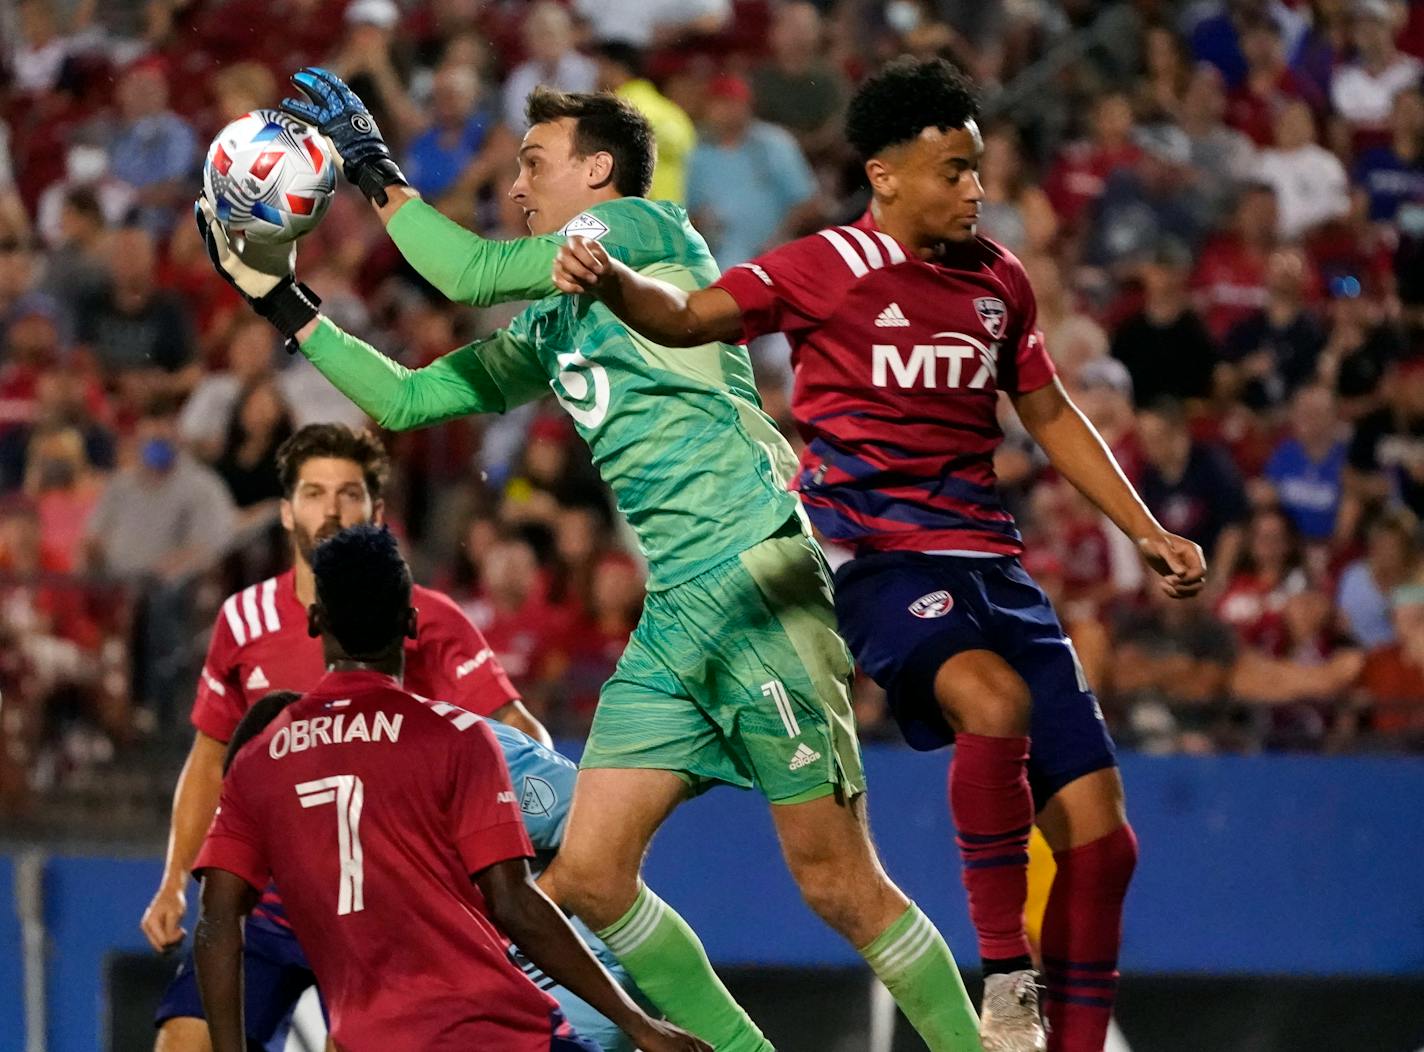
(340, 115)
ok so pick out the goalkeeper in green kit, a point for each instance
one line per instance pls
(735, 674)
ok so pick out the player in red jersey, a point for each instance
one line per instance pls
(905, 326)
(332, 478)
(390, 822)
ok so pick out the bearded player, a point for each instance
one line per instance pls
(390, 822)
(905, 327)
(735, 674)
(332, 478)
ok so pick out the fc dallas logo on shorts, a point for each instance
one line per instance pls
(993, 314)
(936, 604)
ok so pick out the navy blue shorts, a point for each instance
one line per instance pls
(905, 614)
(275, 975)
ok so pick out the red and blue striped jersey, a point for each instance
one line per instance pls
(898, 364)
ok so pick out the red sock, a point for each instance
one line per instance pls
(993, 813)
(1082, 929)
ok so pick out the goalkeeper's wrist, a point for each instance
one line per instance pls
(289, 307)
(372, 178)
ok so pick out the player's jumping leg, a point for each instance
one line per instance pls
(596, 876)
(988, 705)
(828, 849)
(1096, 851)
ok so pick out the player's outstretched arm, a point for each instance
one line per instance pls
(464, 266)
(664, 313)
(1075, 448)
(195, 800)
(217, 950)
(537, 927)
(398, 398)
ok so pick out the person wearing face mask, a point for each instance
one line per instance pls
(163, 513)
(161, 521)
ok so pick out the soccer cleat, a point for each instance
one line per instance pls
(1009, 1018)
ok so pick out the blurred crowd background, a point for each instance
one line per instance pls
(1221, 206)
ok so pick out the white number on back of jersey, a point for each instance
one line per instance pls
(347, 793)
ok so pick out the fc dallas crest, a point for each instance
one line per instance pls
(936, 604)
(993, 314)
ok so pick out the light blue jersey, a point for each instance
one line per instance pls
(544, 784)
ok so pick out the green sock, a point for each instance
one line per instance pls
(913, 961)
(667, 961)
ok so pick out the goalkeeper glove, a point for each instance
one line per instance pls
(262, 274)
(343, 118)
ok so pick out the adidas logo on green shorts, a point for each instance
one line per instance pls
(804, 755)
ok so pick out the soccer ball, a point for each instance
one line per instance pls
(269, 176)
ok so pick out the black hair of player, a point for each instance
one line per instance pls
(340, 443)
(363, 592)
(907, 96)
(603, 123)
(255, 720)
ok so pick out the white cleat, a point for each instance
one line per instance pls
(1009, 1020)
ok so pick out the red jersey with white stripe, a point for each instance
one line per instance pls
(372, 808)
(260, 644)
(898, 364)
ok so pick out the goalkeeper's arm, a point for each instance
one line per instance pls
(465, 267)
(399, 399)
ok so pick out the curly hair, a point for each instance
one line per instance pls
(363, 585)
(338, 442)
(907, 96)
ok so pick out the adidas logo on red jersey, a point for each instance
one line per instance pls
(892, 317)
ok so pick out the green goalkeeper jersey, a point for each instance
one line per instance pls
(697, 467)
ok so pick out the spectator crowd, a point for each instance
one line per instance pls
(1221, 206)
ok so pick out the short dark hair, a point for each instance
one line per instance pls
(340, 442)
(255, 720)
(603, 123)
(906, 97)
(363, 585)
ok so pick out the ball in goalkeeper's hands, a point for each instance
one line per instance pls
(269, 177)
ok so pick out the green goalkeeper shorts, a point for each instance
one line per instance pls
(738, 677)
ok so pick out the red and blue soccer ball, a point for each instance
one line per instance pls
(269, 177)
